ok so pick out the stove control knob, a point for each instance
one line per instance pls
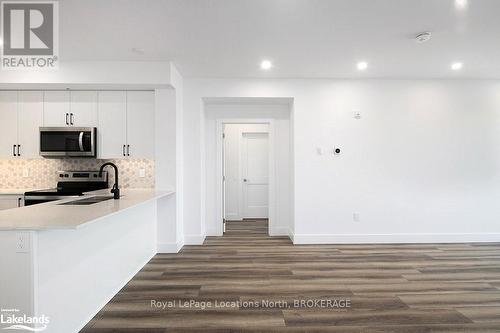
(61, 175)
(66, 175)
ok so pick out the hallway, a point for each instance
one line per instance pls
(252, 282)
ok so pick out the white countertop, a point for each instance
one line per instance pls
(14, 191)
(52, 215)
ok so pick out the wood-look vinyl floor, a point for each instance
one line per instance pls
(412, 288)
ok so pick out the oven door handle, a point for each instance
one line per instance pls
(80, 141)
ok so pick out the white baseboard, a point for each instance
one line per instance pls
(394, 238)
(170, 247)
(194, 239)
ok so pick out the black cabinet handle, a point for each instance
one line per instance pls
(14, 150)
(67, 122)
(18, 150)
(71, 118)
(123, 150)
(19, 201)
(128, 150)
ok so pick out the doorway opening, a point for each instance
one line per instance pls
(246, 168)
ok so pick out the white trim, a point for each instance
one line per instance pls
(218, 170)
(291, 235)
(194, 239)
(394, 238)
(170, 247)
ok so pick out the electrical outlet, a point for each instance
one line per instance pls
(356, 217)
(26, 173)
(22, 242)
(356, 115)
(142, 173)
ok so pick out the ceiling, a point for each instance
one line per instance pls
(303, 38)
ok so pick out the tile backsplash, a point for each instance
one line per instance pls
(42, 173)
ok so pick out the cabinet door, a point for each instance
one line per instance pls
(30, 118)
(141, 124)
(56, 108)
(112, 129)
(8, 123)
(83, 107)
(10, 201)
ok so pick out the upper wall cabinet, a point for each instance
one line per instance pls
(20, 117)
(112, 129)
(126, 124)
(8, 124)
(30, 119)
(141, 124)
(70, 108)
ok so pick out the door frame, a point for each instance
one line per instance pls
(219, 195)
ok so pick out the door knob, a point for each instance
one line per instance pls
(245, 180)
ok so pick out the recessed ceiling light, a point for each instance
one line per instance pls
(266, 65)
(461, 4)
(362, 65)
(457, 66)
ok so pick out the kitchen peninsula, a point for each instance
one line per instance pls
(66, 260)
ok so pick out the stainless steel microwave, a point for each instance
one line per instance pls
(68, 141)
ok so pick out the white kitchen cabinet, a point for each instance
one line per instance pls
(126, 124)
(30, 118)
(20, 117)
(112, 129)
(83, 108)
(56, 109)
(8, 123)
(140, 124)
(8, 201)
(70, 108)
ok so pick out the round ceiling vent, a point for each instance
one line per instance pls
(423, 37)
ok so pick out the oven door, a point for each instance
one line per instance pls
(68, 141)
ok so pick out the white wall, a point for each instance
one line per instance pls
(233, 172)
(421, 165)
(169, 163)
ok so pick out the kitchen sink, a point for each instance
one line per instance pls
(88, 201)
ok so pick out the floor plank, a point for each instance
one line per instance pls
(257, 283)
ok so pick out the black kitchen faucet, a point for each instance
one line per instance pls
(115, 190)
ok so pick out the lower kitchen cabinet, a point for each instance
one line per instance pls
(8, 201)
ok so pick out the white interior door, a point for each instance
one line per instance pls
(255, 169)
